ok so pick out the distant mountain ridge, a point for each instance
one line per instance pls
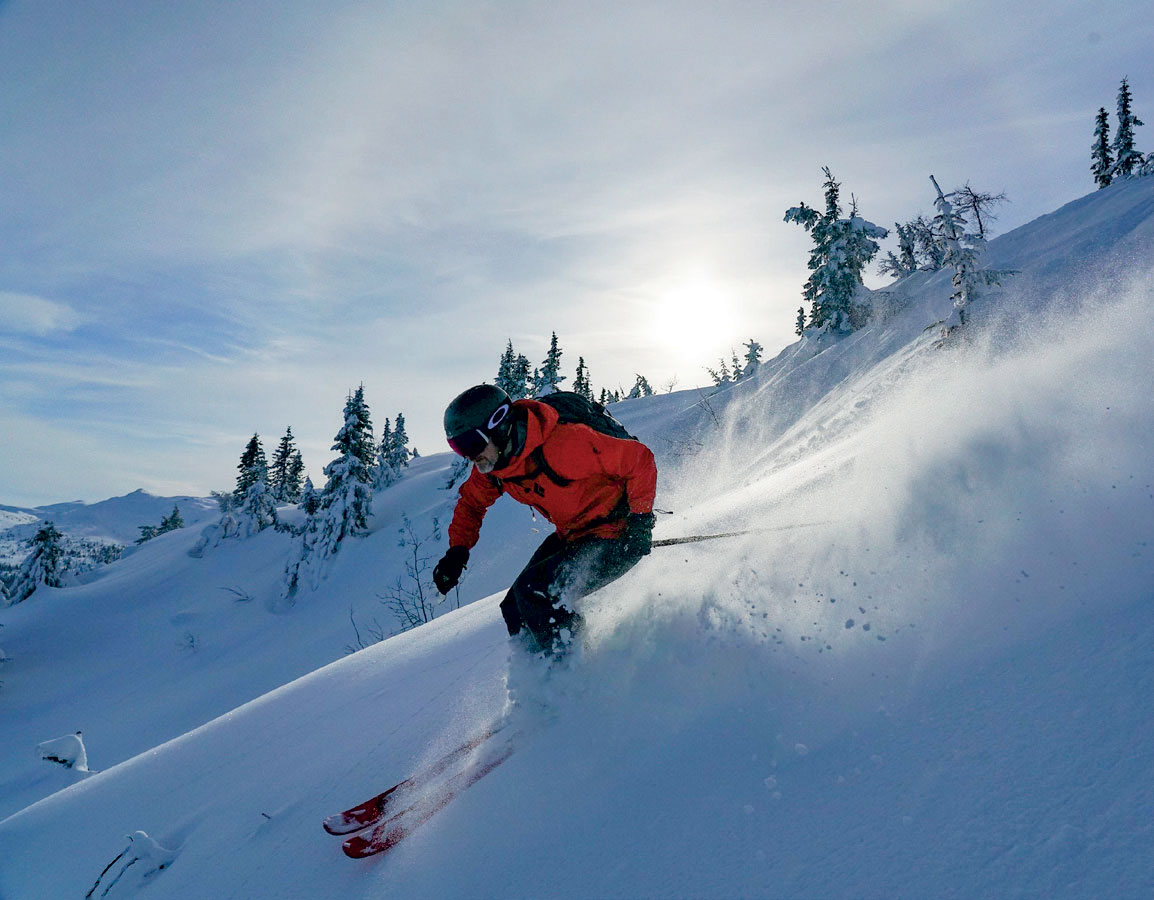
(115, 520)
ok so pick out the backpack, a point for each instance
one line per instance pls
(573, 409)
(577, 410)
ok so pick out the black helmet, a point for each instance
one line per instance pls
(479, 414)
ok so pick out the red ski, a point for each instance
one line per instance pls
(376, 808)
(392, 831)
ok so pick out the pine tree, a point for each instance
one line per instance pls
(310, 500)
(1100, 156)
(549, 378)
(738, 371)
(842, 249)
(720, 375)
(257, 510)
(581, 383)
(343, 508)
(929, 253)
(281, 472)
(296, 474)
(905, 262)
(961, 251)
(799, 327)
(399, 443)
(506, 378)
(45, 565)
(347, 493)
(1127, 158)
(522, 379)
(640, 388)
(253, 467)
(977, 206)
(172, 522)
(752, 357)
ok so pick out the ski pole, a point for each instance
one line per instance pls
(697, 538)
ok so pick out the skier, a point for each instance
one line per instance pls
(597, 489)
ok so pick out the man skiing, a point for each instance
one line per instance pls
(557, 456)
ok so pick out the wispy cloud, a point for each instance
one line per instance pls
(29, 314)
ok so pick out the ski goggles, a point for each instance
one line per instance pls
(469, 444)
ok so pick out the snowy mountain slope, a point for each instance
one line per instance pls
(116, 520)
(938, 687)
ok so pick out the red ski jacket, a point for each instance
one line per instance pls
(589, 481)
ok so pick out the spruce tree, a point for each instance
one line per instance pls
(348, 492)
(640, 388)
(1127, 158)
(842, 249)
(506, 370)
(281, 471)
(399, 443)
(581, 383)
(549, 378)
(253, 467)
(521, 378)
(1101, 159)
(960, 250)
(310, 500)
(752, 357)
(799, 327)
(296, 476)
(172, 522)
(905, 261)
(45, 565)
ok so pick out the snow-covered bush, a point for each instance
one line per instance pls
(68, 751)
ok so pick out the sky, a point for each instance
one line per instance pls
(220, 217)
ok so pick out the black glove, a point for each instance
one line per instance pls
(447, 572)
(638, 536)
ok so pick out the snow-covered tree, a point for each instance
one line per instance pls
(286, 470)
(167, 524)
(842, 249)
(513, 374)
(581, 383)
(393, 453)
(45, 565)
(548, 379)
(640, 388)
(960, 251)
(608, 396)
(720, 375)
(257, 510)
(905, 261)
(1126, 156)
(752, 357)
(799, 326)
(977, 207)
(310, 500)
(173, 521)
(253, 467)
(1102, 161)
(344, 506)
(504, 378)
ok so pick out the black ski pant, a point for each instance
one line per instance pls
(557, 574)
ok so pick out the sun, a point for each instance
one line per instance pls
(693, 317)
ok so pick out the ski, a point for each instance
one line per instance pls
(387, 834)
(376, 808)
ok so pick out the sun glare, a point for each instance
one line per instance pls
(693, 318)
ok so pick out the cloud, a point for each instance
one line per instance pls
(29, 314)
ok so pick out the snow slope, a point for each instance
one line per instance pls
(937, 686)
(116, 520)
